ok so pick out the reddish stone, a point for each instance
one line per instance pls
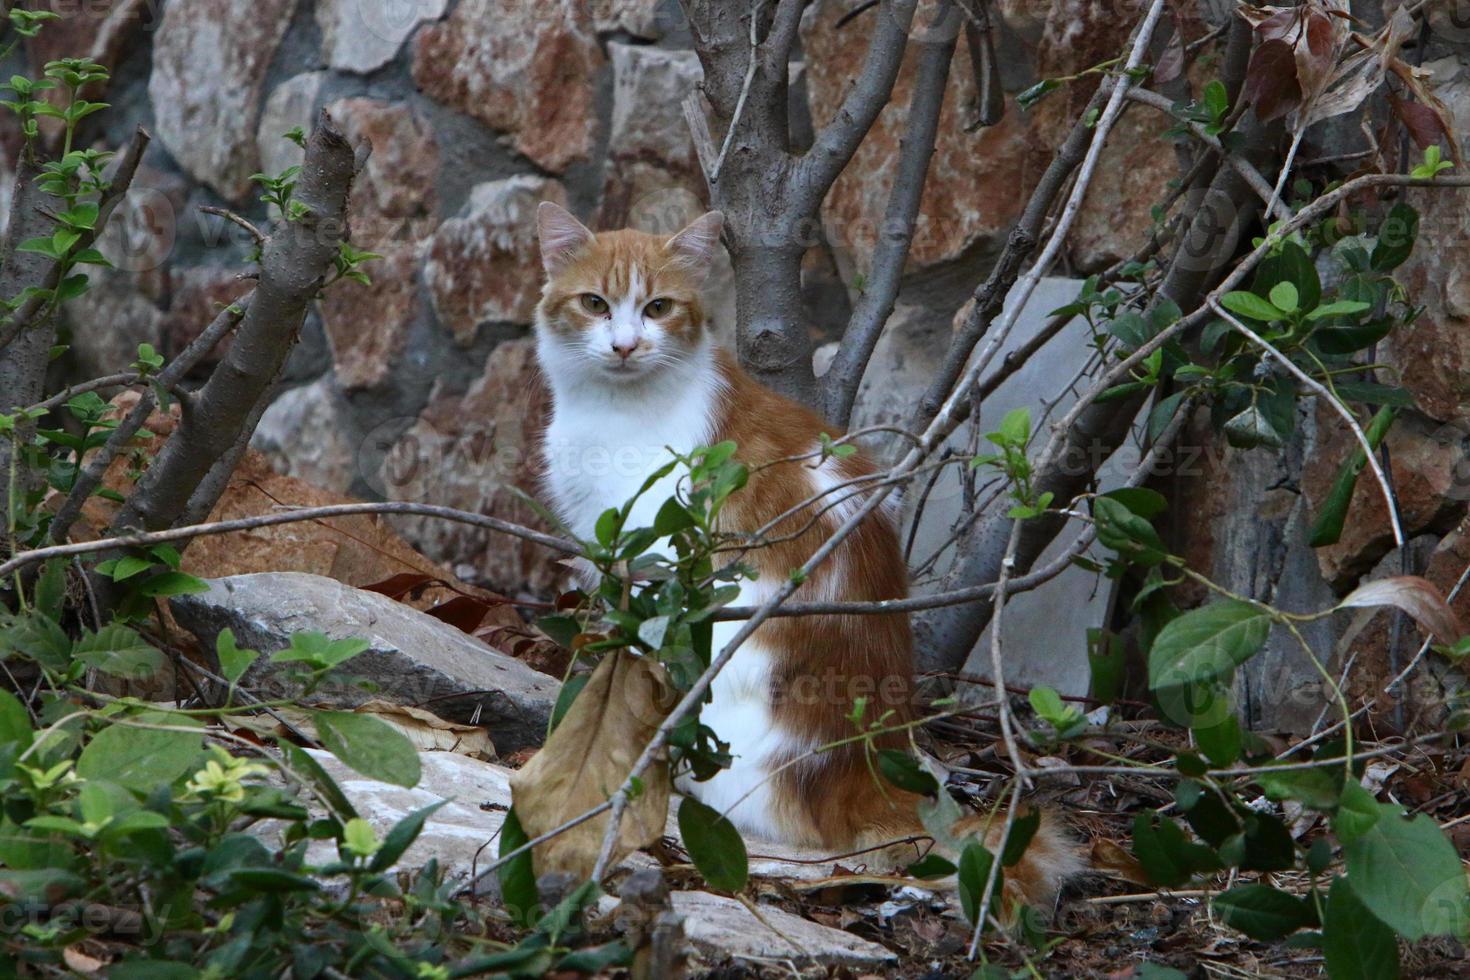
(1431, 356)
(393, 197)
(196, 296)
(468, 451)
(1138, 161)
(367, 326)
(527, 67)
(485, 265)
(975, 187)
(1430, 498)
(210, 59)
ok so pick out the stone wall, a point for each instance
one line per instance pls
(422, 386)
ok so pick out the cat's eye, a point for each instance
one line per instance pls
(658, 307)
(594, 304)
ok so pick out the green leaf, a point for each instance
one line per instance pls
(1251, 306)
(1168, 856)
(974, 868)
(319, 650)
(1023, 831)
(1396, 238)
(369, 745)
(233, 661)
(15, 721)
(1037, 92)
(1133, 537)
(142, 758)
(272, 880)
(1206, 643)
(1320, 789)
(1284, 297)
(1262, 912)
(1142, 501)
(1291, 265)
(1221, 742)
(119, 651)
(518, 876)
(672, 518)
(402, 836)
(931, 866)
(714, 845)
(1251, 429)
(1408, 874)
(606, 528)
(1357, 945)
(166, 584)
(304, 765)
(1327, 529)
(1015, 428)
(1163, 413)
(126, 567)
(565, 697)
(1372, 393)
(904, 771)
(1343, 307)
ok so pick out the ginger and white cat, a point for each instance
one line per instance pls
(633, 371)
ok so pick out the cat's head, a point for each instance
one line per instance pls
(619, 306)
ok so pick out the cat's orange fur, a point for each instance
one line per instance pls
(819, 666)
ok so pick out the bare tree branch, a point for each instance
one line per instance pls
(122, 179)
(95, 468)
(990, 296)
(840, 385)
(293, 266)
(25, 343)
(770, 197)
(836, 142)
(295, 516)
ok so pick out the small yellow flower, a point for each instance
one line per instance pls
(223, 777)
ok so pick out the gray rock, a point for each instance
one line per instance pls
(413, 658)
(292, 103)
(306, 434)
(364, 35)
(1044, 631)
(720, 928)
(455, 835)
(210, 59)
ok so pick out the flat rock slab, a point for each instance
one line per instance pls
(719, 928)
(412, 657)
(462, 835)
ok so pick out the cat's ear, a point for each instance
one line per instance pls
(561, 235)
(694, 247)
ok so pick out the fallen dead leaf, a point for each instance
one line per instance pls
(1415, 596)
(1111, 859)
(588, 757)
(430, 733)
(81, 962)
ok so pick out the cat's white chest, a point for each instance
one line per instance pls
(601, 448)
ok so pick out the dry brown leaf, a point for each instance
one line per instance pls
(1112, 859)
(430, 733)
(80, 961)
(426, 730)
(1415, 596)
(588, 757)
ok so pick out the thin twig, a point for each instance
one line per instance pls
(26, 558)
(230, 216)
(1333, 402)
(714, 173)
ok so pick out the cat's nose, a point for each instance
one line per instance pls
(625, 349)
